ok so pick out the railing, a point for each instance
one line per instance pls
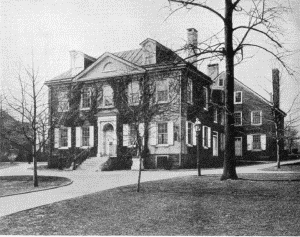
(80, 158)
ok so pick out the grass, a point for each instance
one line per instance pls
(256, 204)
(295, 167)
(10, 185)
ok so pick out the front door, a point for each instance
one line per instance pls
(108, 140)
(238, 146)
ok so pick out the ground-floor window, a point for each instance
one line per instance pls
(256, 142)
(85, 136)
(63, 140)
(162, 133)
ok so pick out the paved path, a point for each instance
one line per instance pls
(91, 182)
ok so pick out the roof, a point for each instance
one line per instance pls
(252, 91)
(134, 56)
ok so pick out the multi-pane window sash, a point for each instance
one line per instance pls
(237, 118)
(256, 142)
(63, 141)
(134, 98)
(162, 91)
(162, 133)
(86, 99)
(221, 82)
(85, 136)
(63, 101)
(238, 97)
(256, 117)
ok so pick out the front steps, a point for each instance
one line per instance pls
(92, 164)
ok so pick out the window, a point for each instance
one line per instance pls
(162, 91)
(205, 97)
(238, 97)
(63, 101)
(162, 133)
(215, 115)
(256, 117)
(85, 136)
(237, 118)
(105, 97)
(190, 133)
(85, 98)
(133, 93)
(215, 144)
(221, 82)
(256, 142)
(190, 91)
(132, 136)
(63, 139)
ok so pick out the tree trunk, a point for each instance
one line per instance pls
(229, 171)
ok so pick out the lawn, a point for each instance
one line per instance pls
(256, 204)
(10, 185)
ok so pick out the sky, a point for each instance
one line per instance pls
(49, 29)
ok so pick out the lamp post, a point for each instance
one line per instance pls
(198, 130)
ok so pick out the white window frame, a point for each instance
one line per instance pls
(235, 94)
(189, 90)
(241, 114)
(166, 133)
(256, 149)
(82, 132)
(63, 101)
(60, 136)
(162, 101)
(79, 137)
(215, 115)
(89, 97)
(252, 117)
(205, 89)
(57, 137)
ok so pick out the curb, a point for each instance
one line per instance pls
(43, 189)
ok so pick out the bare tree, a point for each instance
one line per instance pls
(260, 17)
(28, 104)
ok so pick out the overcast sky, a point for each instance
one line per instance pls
(51, 28)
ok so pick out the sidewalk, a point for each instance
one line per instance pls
(91, 182)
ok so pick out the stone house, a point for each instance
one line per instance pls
(98, 103)
(255, 117)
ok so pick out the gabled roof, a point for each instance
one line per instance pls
(135, 56)
(222, 74)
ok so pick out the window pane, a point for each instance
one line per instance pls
(85, 136)
(256, 117)
(63, 137)
(238, 97)
(256, 142)
(86, 98)
(162, 133)
(238, 118)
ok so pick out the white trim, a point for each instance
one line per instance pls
(215, 115)
(241, 113)
(205, 88)
(260, 114)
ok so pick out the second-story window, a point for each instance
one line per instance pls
(256, 117)
(108, 96)
(237, 118)
(238, 98)
(205, 97)
(190, 91)
(222, 118)
(63, 101)
(162, 93)
(133, 93)
(85, 98)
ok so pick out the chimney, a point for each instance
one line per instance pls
(192, 42)
(276, 87)
(213, 70)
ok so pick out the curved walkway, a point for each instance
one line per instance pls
(91, 182)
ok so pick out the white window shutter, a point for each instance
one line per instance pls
(209, 137)
(203, 132)
(170, 133)
(78, 136)
(153, 134)
(194, 135)
(91, 140)
(56, 137)
(263, 141)
(125, 134)
(69, 137)
(249, 142)
(142, 132)
(186, 132)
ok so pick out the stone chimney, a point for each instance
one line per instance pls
(192, 43)
(213, 70)
(276, 87)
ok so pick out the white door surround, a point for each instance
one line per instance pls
(107, 136)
